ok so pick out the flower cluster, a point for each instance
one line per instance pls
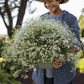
(40, 40)
(80, 65)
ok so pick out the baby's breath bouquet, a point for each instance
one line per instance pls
(39, 40)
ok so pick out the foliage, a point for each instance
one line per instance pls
(80, 65)
(2, 43)
(80, 53)
(34, 82)
(7, 9)
(82, 33)
(6, 37)
(39, 40)
(1, 59)
(81, 23)
(6, 77)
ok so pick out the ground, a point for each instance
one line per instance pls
(78, 79)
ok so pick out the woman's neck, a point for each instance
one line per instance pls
(56, 13)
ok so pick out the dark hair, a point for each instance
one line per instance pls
(62, 1)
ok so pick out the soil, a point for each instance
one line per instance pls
(78, 79)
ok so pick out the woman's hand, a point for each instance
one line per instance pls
(57, 63)
(74, 50)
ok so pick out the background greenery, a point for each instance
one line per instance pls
(81, 23)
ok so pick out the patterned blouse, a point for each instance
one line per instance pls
(62, 75)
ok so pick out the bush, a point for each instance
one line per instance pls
(80, 65)
(80, 53)
(6, 75)
(82, 33)
(7, 78)
(2, 42)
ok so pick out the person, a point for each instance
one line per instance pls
(61, 73)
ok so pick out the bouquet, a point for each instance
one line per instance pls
(39, 40)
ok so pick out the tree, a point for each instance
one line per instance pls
(81, 23)
(7, 7)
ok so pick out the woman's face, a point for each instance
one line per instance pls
(52, 6)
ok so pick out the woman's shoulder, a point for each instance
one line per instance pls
(69, 15)
(45, 14)
(65, 14)
(69, 18)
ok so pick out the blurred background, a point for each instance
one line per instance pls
(13, 12)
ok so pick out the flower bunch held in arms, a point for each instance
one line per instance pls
(40, 40)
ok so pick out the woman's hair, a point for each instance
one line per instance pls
(62, 1)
